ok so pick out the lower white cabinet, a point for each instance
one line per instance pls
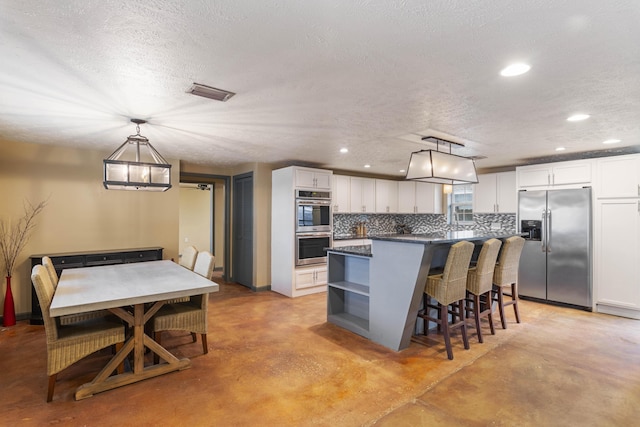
(617, 257)
(310, 277)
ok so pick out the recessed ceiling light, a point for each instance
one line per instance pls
(611, 141)
(515, 70)
(578, 117)
(560, 149)
(403, 170)
(344, 150)
(367, 166)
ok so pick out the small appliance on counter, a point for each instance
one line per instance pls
(361, 230)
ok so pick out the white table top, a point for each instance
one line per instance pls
(96, 288)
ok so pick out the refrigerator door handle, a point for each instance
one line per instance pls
(543, 239)
(548, 231)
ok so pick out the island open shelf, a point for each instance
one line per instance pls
(348, 292)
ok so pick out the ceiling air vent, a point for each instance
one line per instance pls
(210, 92)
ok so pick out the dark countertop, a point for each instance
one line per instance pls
(446, 236)
(349, 237)
(361, 250)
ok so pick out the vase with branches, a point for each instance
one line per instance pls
(14, 236)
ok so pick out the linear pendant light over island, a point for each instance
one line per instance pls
(439, 167)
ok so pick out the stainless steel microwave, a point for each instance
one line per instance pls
(313, 213)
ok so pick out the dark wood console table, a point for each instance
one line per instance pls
(89, 259)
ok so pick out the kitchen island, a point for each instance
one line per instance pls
(376, 291)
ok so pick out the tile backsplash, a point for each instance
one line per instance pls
(346, 224)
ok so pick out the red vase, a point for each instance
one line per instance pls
(9, 315)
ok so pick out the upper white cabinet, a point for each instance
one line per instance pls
(362, 194)
(386, 196)
(340, 193)
(573, 173)
(618, 176)
(317, 179)
(495, 193)
(419, 197)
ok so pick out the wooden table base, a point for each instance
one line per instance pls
(136, 343)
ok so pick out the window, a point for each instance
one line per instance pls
(460, 204)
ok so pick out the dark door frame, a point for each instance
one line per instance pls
(201, 178)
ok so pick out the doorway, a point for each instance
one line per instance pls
(243, 229)
(204, 218)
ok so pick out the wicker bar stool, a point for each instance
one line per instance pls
(506, 276)
(449, 289)
(480, 284)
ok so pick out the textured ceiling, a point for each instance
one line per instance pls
(311, 77)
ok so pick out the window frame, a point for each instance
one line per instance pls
(453, 218)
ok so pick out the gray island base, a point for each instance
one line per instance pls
(376, 291)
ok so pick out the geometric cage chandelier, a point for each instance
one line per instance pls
(136, 174)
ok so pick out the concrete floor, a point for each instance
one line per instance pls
(275, 361)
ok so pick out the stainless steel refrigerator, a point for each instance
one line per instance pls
(555, 264)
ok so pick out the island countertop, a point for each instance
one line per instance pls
(446, 236)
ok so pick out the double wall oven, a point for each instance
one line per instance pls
(313, 226)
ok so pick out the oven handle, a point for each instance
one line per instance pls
(311, 235)
(313, 202)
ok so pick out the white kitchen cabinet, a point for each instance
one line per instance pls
(617, 257)
(618, 176)
(311, 277)
(617, 236)
(362, 195)
(317, 179)
(287, 278)
(340, 193)
(386, 196)
(495, 193)
(572, 173)
(419, 197)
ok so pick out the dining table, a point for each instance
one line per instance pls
(134, 292)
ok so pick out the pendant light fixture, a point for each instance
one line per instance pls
(122, 172)
(440, 167)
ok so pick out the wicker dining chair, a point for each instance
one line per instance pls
(71, 318)
(190, 316)
(188, 257)
(67, 344)
(480, 284)
(506, 276)
(449, 289)
(204, 264)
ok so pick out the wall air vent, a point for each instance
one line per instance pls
(210, 92)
